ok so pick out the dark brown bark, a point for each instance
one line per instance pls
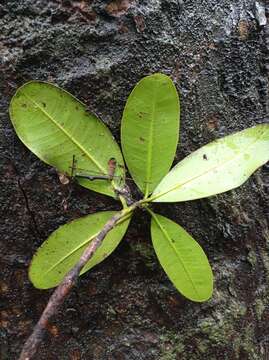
(217, 52)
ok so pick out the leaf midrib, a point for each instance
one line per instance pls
(70, 253)
(97, 164)
(150, 144)
(206, 172)
(176, 252)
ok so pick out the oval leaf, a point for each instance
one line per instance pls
(149, 130)
(61, 251)
(217, 167)
(182, 258)
(55, 126)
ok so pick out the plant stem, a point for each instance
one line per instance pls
(123, 201)
(57, 298)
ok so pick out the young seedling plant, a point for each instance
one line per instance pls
(57, 128)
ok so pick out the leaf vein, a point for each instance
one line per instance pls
(176, 252)
(96, 163)
(158, 195)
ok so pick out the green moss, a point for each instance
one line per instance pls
(170, 345)
(245, 342)
(146, 251)
(259, 307)
(252, 258)
(219, 328)
(266, 236)
(203, 346)
(265, 260)
(218, 332)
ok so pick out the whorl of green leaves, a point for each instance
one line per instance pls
(58, 129)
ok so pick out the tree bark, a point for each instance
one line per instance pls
(217, 52)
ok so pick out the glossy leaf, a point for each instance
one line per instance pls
(55, 126)
(149, 130)
(217, 167)
(182, 258)
(61, 251)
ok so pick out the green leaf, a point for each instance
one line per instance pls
(217, 167)
(61, 251)
(149, 130)
(182, 258)
(56, 126)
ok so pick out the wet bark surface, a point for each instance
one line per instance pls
(126, 308)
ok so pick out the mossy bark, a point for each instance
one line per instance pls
(217, 54)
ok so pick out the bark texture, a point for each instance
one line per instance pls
(217, 53)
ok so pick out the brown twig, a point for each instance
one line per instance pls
(57, 298)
